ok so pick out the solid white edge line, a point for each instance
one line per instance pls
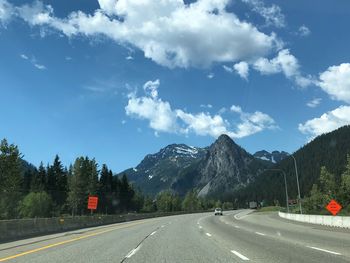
(239, 255)
(260, 234)
(208, 234)
(133, 252)
(324, 250)
(153, 233)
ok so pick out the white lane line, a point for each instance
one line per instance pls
(279, 233)
(200, 227)
(208, 234)
(260, 234)
(239, 255)
(324, 250)
(162, 226)
(237, 227)
(133, 252)
(153, 233)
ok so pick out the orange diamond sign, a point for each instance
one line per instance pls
(333, 207)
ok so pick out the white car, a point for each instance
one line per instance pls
(218, 212)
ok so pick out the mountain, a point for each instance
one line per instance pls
(329, 150)
(213, 171)
(157, 172)
(273, 157)
(227, 167)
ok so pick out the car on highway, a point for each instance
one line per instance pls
(218, 212)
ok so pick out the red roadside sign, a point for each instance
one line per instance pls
(92, 202)
(333, 207)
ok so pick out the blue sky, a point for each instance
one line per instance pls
(118, 80)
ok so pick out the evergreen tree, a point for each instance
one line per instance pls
(345, 184)
(126, 194)
(105, 190)
(38, 183)
(77, 184)
(57, 183)
(10, 180)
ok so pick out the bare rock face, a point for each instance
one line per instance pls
(226, 167)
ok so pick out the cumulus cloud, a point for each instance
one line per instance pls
(163, 118)
(272, 14)
(304, 31)
(242, 69)
(285, 63)
(336, 82)
(327, 122)
(314, 103)
(164, 30)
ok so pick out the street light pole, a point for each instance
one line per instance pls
(285, 185)
(297, 176)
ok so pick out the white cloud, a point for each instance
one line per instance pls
(164, 30)
(314, 103)
(228, 69)
(162, 118)
(33, 61)
(210, 75)
(235, 108)
(39, 66)
(252, 122)
(336, 82)
(284, 63)
(152, 88)
(159, 113)
(24, 56)
(209, 106)
(304, 31)
(242, 69)
(327, 122)
(129, 58)
(273, 14)
(6, 12)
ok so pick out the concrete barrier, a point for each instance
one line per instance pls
(335, 221)
(24, 228)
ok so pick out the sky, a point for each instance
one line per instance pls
(116, 80)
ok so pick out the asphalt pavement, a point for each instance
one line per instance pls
(237, 236)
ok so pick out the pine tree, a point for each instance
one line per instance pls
(10, 180)
(38, 183)
(105, 190)
(126, 194)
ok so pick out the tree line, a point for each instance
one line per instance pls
(330, 186)
(55, 190)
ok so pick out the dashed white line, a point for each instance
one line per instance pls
(153, 233)
(237, 227)
(133, 252)
(208, 234)
(260, 234)
(324, 250)
(162, 226)
(239, 255)
(200, 227)
(279, 233)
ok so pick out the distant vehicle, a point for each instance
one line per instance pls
(253, 205)
(218, 212)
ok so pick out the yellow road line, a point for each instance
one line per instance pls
(68, 241)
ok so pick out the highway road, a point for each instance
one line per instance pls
(235, 237)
